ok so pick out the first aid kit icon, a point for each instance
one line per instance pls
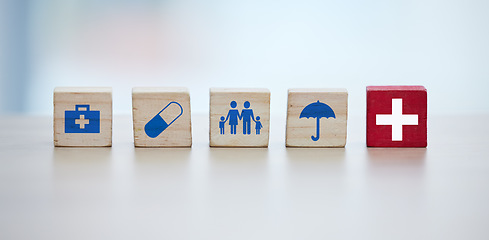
(161, 121)
(82, 120)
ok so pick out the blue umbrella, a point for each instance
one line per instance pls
(317, 110)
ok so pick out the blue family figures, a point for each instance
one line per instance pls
(235, 118)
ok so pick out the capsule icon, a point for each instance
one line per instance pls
(161, 121)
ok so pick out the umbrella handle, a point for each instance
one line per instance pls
(315, 138)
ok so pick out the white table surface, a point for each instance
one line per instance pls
(441, 192)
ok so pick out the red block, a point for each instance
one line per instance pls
(396, 116)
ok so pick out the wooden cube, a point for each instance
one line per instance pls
(317, 117)
(161, 117)
(239, 117)
(397, 116)
(82, 117)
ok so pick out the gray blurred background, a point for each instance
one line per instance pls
(225, 43)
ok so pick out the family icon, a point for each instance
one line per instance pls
(234, 116)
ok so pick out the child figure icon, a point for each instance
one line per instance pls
(258, 125)
(245, 117)
(221, 125)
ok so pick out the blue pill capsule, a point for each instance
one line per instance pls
(161, 121)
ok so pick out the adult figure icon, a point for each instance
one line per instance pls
(233, 116)
(247, 116)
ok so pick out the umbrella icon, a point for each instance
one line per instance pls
(317, 110)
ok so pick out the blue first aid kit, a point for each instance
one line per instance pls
(82, 120)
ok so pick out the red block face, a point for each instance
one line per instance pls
(396, 116)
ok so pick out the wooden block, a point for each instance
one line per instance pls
(396, 116)
(161, 117)
(239, 117)
(82, 117)
(317, 117)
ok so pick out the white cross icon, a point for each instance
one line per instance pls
(82, 121)
(396, 119)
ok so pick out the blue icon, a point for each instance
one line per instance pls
(82, 120)
(317, 110)
(258, 125)
(234, 117)
(221, 125)
(158, 124)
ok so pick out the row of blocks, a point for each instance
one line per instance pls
(396, 117)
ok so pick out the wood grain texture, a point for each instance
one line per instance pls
(147, 102)
(220, 99)
(412, 101)
(99, 99)
(332, 130)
